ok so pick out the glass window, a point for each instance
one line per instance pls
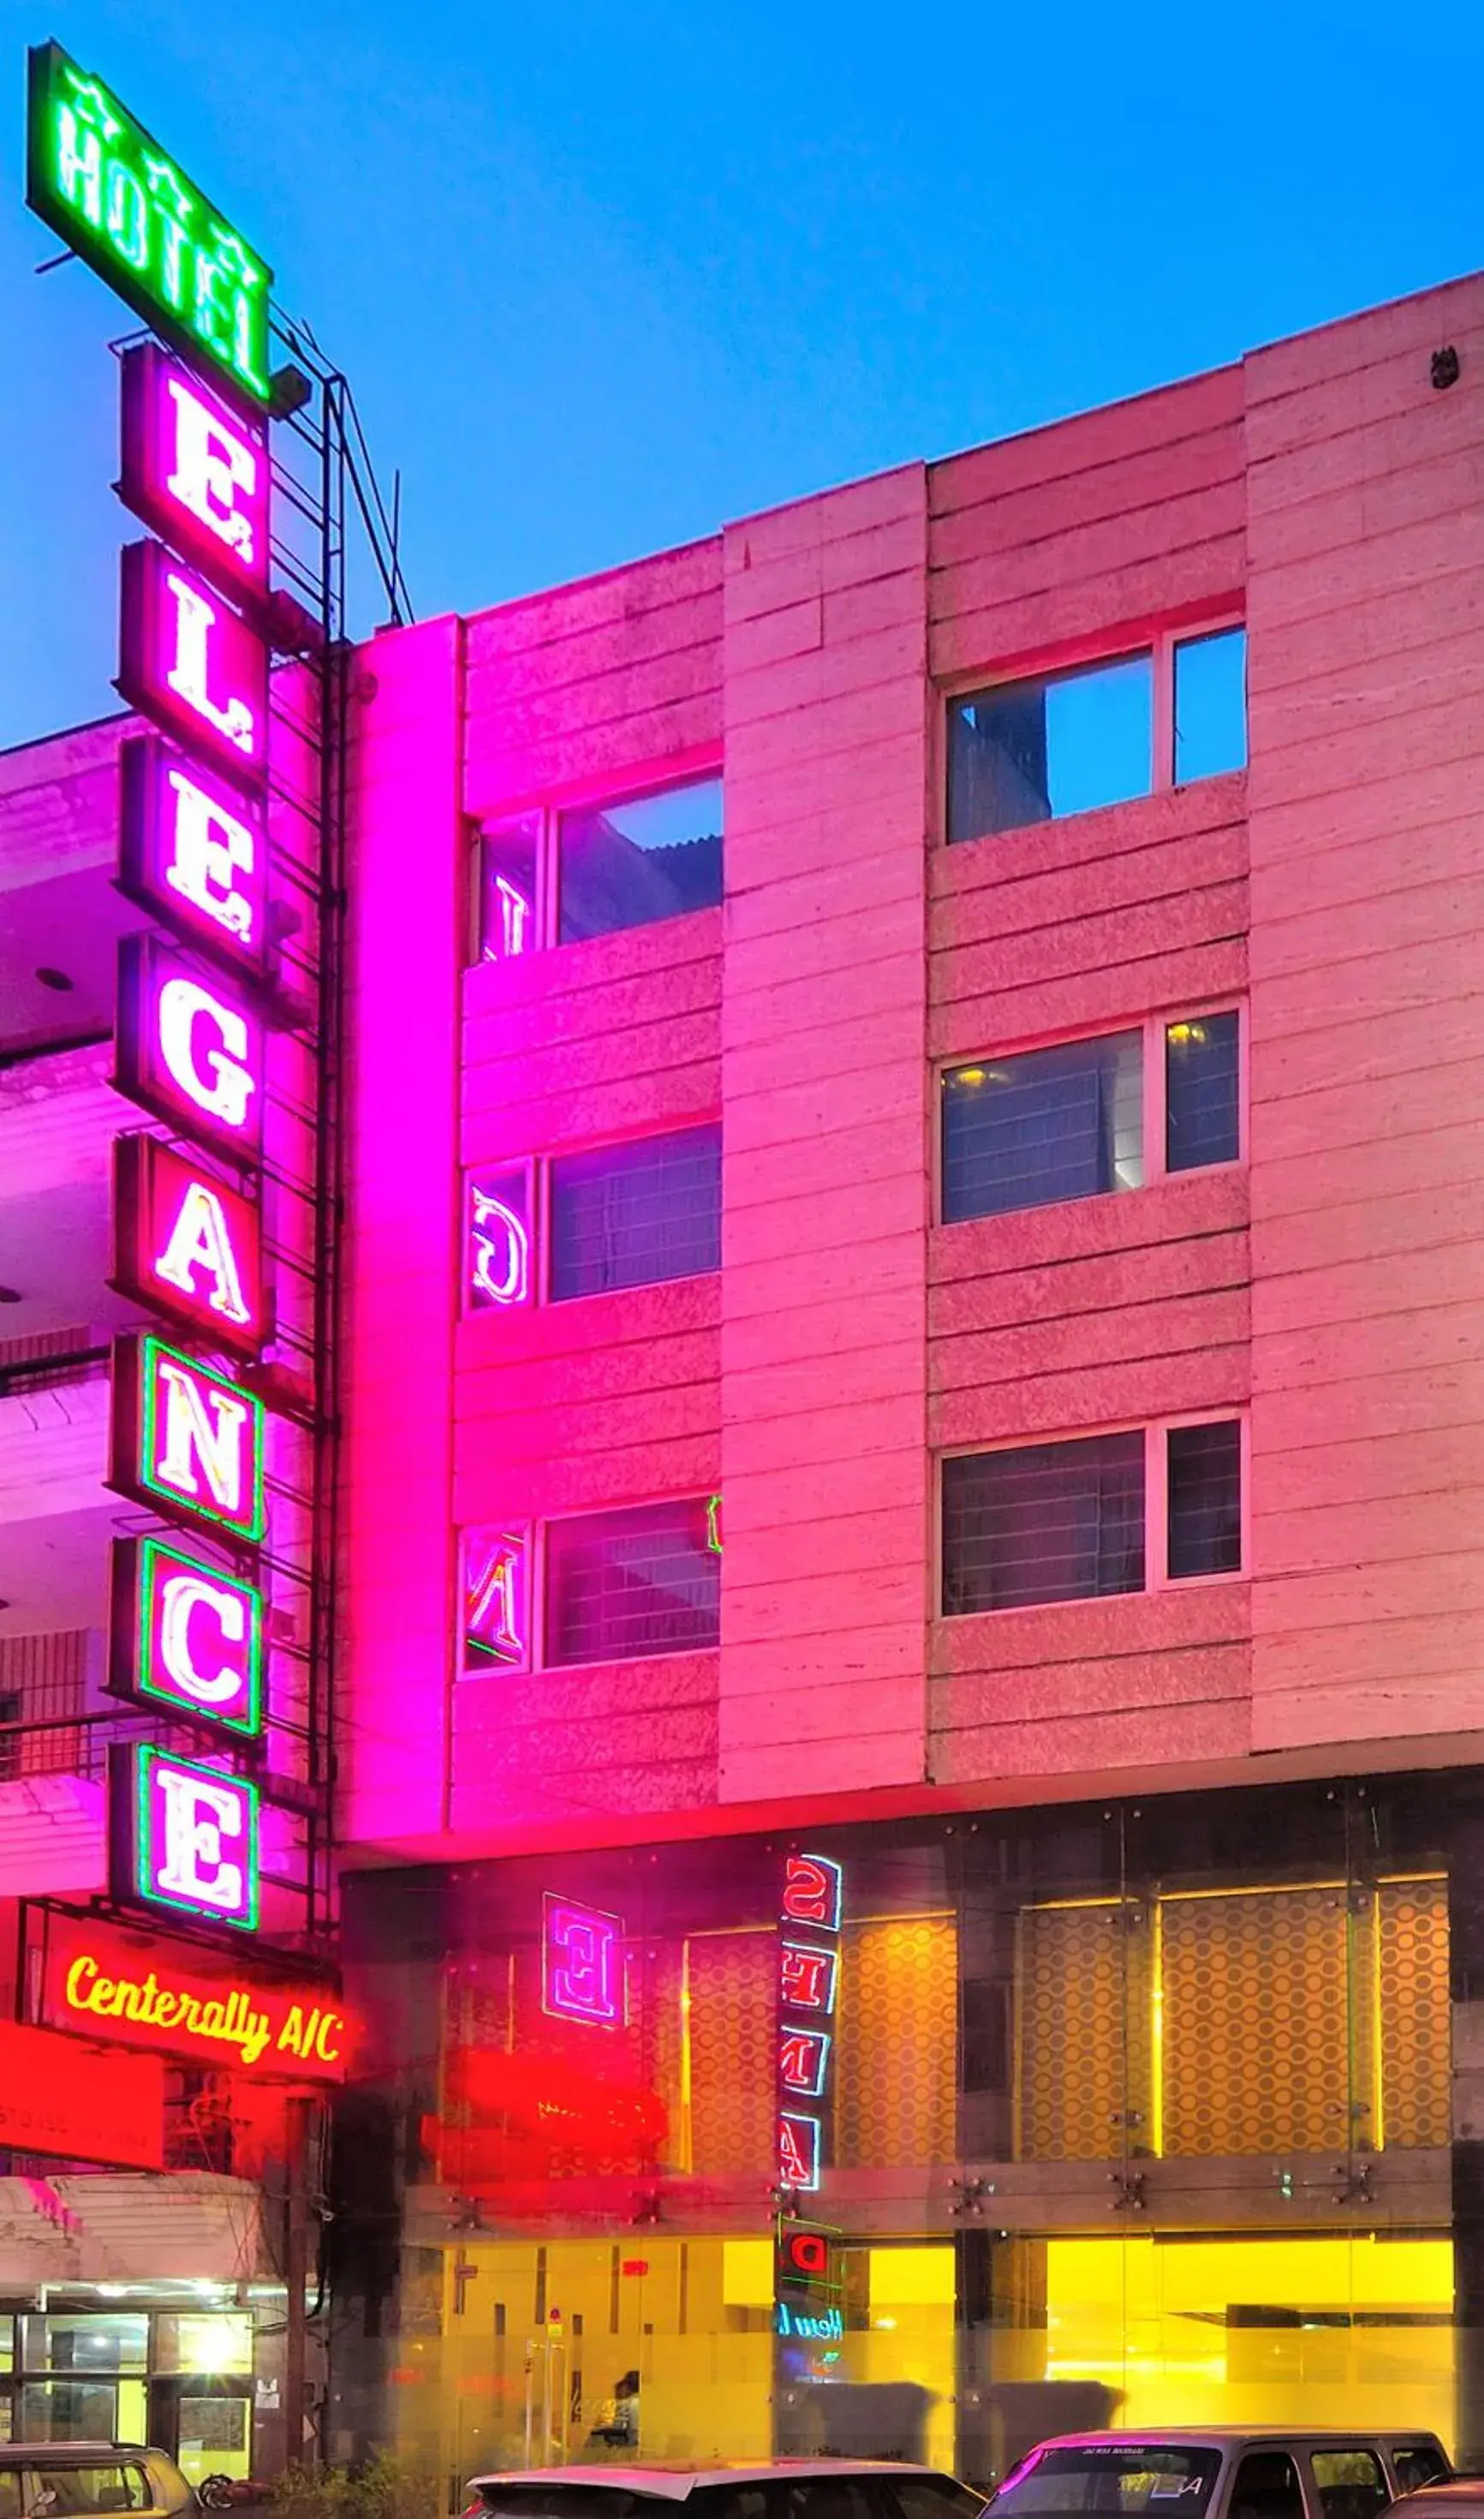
(623, 1584)
(508, 863)
(634, 1215)
(829, 2497)
(654, 857)
(935, 2496)
(10, 2489)
(1267, 2487)
(1028, 752)
(1204, 1499)
(1419, 2463)
(1349, 2483)
(87, 2488)
(1201, 1118)
(1049, 1125)
(1045, 1521)
(1112, 2478)
(1210, 705)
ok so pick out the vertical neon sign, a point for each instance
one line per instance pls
(581, 1954)
(808, 1985)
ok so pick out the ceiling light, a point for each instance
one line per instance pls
(52, 978)
(10, 1294)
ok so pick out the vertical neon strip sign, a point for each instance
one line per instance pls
(809, 1988)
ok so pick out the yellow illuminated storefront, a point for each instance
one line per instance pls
(1129, 2121)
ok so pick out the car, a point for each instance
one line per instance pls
(75, 2479)
(1453, 2497)
(1223, 2473)
(788, 2489)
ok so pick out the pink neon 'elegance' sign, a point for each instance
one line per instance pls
(185, 1636)
(195, 472)
(184, 1836)
(190, 664)
(186, 1245)
(185, 1441)
(193, 852)
(582, 1964)
(189, 1049)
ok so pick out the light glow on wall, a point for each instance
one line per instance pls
(583, 1975)
(185, 1838)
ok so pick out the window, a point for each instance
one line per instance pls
(623, 864)
(1203, 1498)
(1063, 743)
(1267, 2487)
(634, 1214)
(1093, 735)
(619, 1586)
(1048, 1124)
(495, 1595)
(1085, 1117)
(1111, 2478)
(1082, 1518)
(1419, 2463)
(1201, 1087)
(1210, 705)
(1045, 1521)
(10, 1712)
(1349, 2483)
(558, 873)
(934, 2496)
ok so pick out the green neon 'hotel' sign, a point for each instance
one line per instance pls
(124, 206)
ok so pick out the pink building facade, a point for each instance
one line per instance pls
(936, 1333)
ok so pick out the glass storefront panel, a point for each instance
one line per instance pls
(1131, 2114)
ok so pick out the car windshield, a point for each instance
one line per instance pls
(1118, 2476)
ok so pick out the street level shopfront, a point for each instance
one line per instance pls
(1119, 2114)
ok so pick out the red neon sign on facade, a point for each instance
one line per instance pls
(189, 1049)
(186, 1441)
(193, 852)
(809, 1980)
(195, 472)
(186, 1245)
(191, 665)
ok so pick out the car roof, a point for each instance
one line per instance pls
(1222, 2435)
(674, 2482)
(69, 2452)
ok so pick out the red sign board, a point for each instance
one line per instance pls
(57, 2098)
(186, 1245)
(139, 1989)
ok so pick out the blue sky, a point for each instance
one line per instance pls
(603, 276)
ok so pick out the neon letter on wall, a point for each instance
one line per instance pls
(186, 1244)
(811, 1886)
(799, 2151)
(185, 1636)
(185, 1837)
(191, 665)
(193, 853)
(195, 472)
(500, 1241)
(494, 1622)
(582, 1963)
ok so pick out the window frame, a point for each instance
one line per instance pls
(1154, 1104)
(685, 770)
(1081, 656)
(538, 1172)
(1157, 1574)
(535, 1532)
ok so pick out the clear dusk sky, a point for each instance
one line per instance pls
(605, 275)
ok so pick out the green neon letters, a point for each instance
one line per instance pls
(124, 206)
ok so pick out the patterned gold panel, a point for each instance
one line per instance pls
(733, 2058)
(1082, 2031)
(895, 2061)
(1412, 2003)
(1258, 2021)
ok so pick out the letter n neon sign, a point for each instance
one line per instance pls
(185, 1441)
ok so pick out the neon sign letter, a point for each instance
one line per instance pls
(187, 1051)
(799, 2151)
(812, 1885)
(582, 1963)
(195, 473)
(185, 1636)
(186, 1439)
(186, 1244)
(494, 1596)
(191, 665)
(500, 1242)
(193, 853)
(186, 1837)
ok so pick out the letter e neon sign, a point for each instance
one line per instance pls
(184, 1836)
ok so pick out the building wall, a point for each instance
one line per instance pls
(1323, 490)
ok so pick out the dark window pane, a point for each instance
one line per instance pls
(1053, 1124)
(631, 1215)
(623, 864)
(1112, 2478)
(507, 888)
(1210, 705)
(1267, 2488)
(984, 2034)
(1047, 1521)
(1026, 752)
(1205, 1499)
(1201, 1120)
(621, 1584)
